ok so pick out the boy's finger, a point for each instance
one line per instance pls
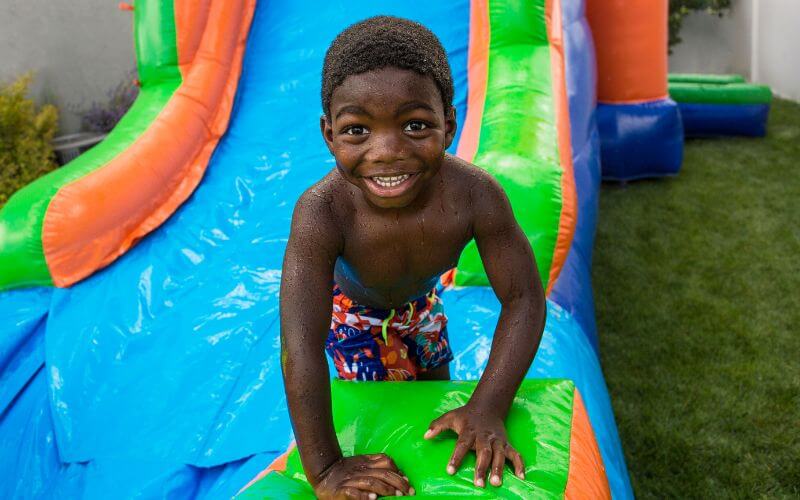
(516, 459)
(381, 461)
(356, 494)
(371, 484)
(484, 453)
(498, 462)
(463, 445)
(400, 483)
(437, 426)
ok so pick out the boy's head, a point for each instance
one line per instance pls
(387, 94)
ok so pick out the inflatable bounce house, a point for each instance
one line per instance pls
(139, 341)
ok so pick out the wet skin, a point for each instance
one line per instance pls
(386, 238)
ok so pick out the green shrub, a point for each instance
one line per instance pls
(678, 9)
(25, 135)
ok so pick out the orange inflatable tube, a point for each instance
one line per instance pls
(630, 38)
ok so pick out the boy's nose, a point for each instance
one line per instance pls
(385, 148)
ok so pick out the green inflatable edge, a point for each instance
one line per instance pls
(22, 259)
(391, 418)
(518, 141)
(720, 93)
(700, 78)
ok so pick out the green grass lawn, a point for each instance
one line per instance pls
(697, 283)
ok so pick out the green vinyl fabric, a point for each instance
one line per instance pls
(720, 93)
(392, 417)
(518, 135)
(700, 78)
(22, 257)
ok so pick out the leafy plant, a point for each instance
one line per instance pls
(102, 116)
(25, 135)
(679, 9)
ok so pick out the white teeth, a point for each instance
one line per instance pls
(391, 181)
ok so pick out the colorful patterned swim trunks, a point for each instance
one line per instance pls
(387, 344)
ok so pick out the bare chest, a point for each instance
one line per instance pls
(404, 251)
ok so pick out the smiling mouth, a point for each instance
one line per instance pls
(390, 181)
(389, 186)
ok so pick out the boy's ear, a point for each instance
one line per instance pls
(450, 126)
(326, 128)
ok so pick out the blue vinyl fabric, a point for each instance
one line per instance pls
(186, 323)
(159, 375)
(709, 120)
(640, 140)
(23, 314)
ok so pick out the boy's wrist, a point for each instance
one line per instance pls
(316, 473)
(487, 406)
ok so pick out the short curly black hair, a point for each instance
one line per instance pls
(386, 41)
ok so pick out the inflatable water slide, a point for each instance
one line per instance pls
(139, 339)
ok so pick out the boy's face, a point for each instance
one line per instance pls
(388, 131)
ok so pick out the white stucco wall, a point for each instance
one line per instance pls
(714, 45)
(759, 39)
(776, 53)
(78, 50)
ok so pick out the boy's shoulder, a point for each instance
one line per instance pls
(325, 191)
(470, 182)
(317, 201)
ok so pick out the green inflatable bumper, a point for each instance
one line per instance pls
(547, 424)
(717, 89)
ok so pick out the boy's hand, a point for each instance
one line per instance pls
(484, 432)
(362, 477)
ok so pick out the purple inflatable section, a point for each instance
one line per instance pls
(573, 289)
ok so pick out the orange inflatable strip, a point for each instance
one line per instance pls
(478, 64)
(585, 463)
(191, 17)
(568, 218)
(92, 221)
(631, 45)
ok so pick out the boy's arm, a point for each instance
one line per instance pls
(305, 313)
(511, 269)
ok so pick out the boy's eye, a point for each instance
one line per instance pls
(355, 130)
(415, 126)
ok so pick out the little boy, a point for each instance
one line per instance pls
(381, 228)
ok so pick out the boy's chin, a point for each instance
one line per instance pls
(393, 202)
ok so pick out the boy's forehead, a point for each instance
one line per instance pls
(386, 87)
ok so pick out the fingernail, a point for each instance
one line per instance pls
(372, 496)
(495, 480)
(521, 475)
(398, 493)
(451, 470)
(479, 483)
(412, 491)
(427, 434)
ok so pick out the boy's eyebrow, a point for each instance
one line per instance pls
(353, 110)
(413, 105)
